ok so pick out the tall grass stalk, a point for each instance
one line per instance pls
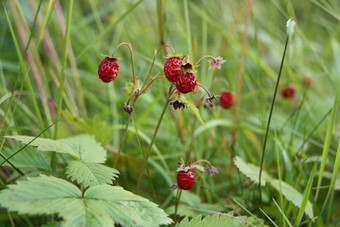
(270, 116)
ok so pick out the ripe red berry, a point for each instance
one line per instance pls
(288, 92)
(186, 82)
(185, 180)
(108, 69)
(171, 68)
(226, 100)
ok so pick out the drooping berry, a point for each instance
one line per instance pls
(288, 92)
(226, 99)
(186, 82)
(171, 68)
(108, 69)
(185, 180)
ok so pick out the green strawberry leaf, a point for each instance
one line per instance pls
(83, 147)
(288, 191)
(292, 195)
(251, 171)
(90, 174)
(194, 109)
(101, 205)
(220, 220)
(28, 157)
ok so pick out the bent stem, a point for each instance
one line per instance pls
(132, 65)
(206, 90)
(152, 64)
(207, 56)
(270, 115)
(151, 144)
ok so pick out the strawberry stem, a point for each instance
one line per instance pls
(153, 62)
(151, 144)
(224, 81)
(179, 193)
(207, 56)
(206, 90)
(130, 49)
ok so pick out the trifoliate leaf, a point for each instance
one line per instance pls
(101, 205)
(83, 147)
(90, 174)
(251, 171)
(219, 220)
(28, 157)
(88, 149)
(194, 109)
(292, 195)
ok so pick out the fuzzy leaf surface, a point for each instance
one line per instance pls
(102, 205)
(83, 147)
(28, 157)
(219, 220)
(90, 174)
(292, 195)
(251, 171)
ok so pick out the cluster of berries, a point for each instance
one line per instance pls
(180, 73)
(185, 176)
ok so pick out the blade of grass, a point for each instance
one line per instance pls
(187, 29)
(283, 214)
(306, 196)
(330, 193)
(108, 29)
(279, 175)
(63, 69)
(327, 143)
(247, 211)
(23, 68)
(147, 168)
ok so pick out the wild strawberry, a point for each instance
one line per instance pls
(171, 68)
(186, 82)
(226, 100)
(185, 180)
(108, 69)
(288, 92)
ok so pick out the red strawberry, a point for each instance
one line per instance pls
(185, 180)
(186, 82)
(108, 69)
(288, 92)
(171, 68)
(226, 100)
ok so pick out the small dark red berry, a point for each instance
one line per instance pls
(171, 68)
(288, 92)
(108, 69)
(186, 82)
(226, 100)
(185, 180)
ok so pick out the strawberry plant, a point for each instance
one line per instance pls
(169, 113)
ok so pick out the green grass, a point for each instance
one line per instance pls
(52, 74)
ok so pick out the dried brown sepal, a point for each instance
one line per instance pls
(128, 108)
(174, 186)
(178, 104)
